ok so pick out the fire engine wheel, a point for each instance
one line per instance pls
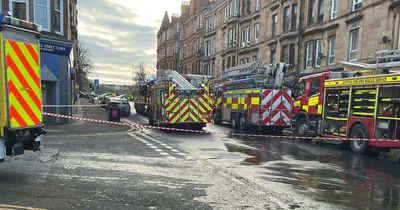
(217, 118)
(243, 123)
(360, 146)
(151, 122)
(302, 127)
(234, 121)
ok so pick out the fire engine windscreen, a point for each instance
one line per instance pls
(254, 75)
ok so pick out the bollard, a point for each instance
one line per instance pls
(114, 112)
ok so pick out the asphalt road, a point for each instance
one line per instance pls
(98, 166)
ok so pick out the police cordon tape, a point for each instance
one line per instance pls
(215, 132)
(89, 105)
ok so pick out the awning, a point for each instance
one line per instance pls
(47, 75)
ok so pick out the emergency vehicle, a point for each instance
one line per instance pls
(174, 101)
(342, 104)
(140, 98)
(20, 92)
(252, 95)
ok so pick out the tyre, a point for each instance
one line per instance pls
(197, 127)
(361, 146)
(302, 127)
(234, 121)
(217, 118)
(279, 130)
(151, 122)
(243, 123)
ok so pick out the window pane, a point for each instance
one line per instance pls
(57, 20)
(315, 86)
(309, 59)
(332, 46)
(334, 9)
(294, 16)
(318, 53)
(41, 13)
(19, 10)
(353, 48)
(273, 56)
(41, 17)
(354, 41)
(57, 5)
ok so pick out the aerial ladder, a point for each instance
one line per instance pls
(386, 61)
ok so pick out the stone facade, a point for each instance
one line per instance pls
(311, 35)
(168, 45)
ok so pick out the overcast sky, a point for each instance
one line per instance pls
(121, 33)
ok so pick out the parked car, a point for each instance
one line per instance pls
(105, 98)
(124, 106)
(126, 96)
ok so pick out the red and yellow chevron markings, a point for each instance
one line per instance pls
(187, 110)
(23, 73)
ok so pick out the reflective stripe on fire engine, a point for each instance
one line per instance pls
(24, 91)
(276, 107)
(364, 80)
(238, 92)
(255, 101)
(313, 101)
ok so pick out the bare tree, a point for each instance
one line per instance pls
(140, 74)
(83, 64)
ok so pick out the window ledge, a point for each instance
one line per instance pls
(355, 18)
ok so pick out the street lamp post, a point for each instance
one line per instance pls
(133, 74)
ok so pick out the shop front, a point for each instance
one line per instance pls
(56, 77)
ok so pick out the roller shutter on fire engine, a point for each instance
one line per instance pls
(23, 79)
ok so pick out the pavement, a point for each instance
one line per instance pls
(98, 166)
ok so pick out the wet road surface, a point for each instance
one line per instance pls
(96, 166)
(314, 172)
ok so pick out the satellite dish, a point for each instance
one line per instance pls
(385, 39)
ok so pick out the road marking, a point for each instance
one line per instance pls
(155, 148)
(190, 158)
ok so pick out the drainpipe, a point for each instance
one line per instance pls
(300, 34)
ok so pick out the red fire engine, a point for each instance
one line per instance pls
(338, 104)
(252, 95)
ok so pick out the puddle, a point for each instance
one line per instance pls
(326, 173)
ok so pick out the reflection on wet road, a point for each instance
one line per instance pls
(327, 173)
(316, 175)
